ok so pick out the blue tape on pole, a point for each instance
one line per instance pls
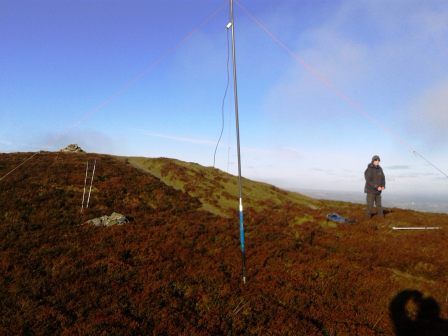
(241, 231)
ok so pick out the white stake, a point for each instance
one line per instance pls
(85, 183)
(91, 183)
(417, 228)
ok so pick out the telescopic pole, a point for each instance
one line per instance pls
(235, 92)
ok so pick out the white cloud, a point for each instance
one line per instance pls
(400, 42)
(398, 167)
(190, 140)
(430, 114)
(337, 62)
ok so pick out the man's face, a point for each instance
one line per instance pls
(376, 162)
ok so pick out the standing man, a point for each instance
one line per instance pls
(375, 184)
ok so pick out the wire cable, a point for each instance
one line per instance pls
(18, 166)
(430, 163)
(357, 107)
(223, 98)
(228, 147)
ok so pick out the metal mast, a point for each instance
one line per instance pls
(235, 92)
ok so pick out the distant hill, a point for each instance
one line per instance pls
(174, 269)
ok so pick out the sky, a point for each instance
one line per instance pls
(349, 79)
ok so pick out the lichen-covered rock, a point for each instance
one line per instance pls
(114, 219)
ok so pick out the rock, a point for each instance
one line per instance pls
(117, 219)
(114, 219)
(73, 148)
(96, 221)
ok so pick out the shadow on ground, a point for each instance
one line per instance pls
(412, 314)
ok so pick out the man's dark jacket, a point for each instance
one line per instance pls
(374, 178)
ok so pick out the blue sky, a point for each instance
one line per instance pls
(104, 74)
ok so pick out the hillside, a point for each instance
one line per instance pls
(175, 268)
(215, 189)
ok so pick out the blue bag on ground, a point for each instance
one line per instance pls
(334, 217)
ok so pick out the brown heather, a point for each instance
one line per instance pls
(175, 268)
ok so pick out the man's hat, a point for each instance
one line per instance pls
(376, 157)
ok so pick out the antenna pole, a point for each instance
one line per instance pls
(235, 92)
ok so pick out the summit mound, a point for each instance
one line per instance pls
(72, 148)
